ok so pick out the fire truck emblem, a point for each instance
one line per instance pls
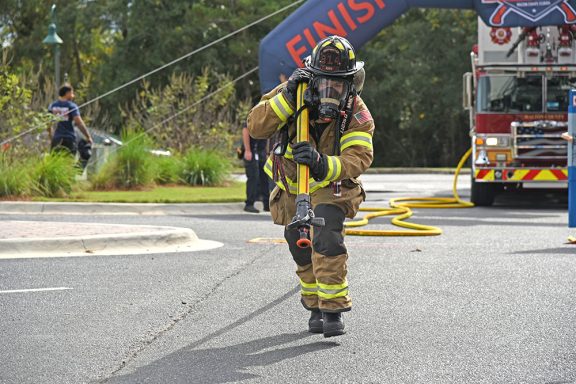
(530, 10)
(501, 36)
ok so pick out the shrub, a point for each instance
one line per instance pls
(202, 167)
(132, 166)
(168, 170)
(14, 177)
(104, 178)
(54, 175)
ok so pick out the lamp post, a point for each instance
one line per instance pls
(53, 39)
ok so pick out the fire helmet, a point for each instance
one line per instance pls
(333, 56)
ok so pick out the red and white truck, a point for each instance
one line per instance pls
(517, 96)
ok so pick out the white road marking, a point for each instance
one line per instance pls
(36, 290)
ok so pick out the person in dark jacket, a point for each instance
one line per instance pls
(257, 180)
(63, 137)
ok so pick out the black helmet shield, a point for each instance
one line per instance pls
(333, 56)
(333, 65)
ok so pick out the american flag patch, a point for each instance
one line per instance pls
(363, 116)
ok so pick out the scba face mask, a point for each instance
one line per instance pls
(328, 96)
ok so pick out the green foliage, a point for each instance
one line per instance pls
(169, 169)
(205, 167)
(413, 85)
(413, 88)
(14, 177)
(18, 110)
(104, 179)
(176, 117)
(233, 192)
(132, 166)
(54, 175)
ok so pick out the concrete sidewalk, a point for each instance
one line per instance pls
(30, 239)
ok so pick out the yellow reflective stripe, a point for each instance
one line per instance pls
(268, 167)
(313, 184)
(285, 104)
(281, 107)
(308, 285)
(332, 287)
(545, 174)
(354, 134)
(293, 190)
(332, 291)
(351, 55)
(362, 143)
(490, 175)
(339, 45)
(334, 168)
(288, 153)
(308, 289)
(356, 138)
(292, 185)
(327, 296)
(316, 185)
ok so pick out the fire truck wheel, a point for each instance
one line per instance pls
(483, 194)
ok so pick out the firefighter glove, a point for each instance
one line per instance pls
(300, 75)
(304, 153)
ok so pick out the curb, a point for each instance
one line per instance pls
(415, 171)
(161, 239)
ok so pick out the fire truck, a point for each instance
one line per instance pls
(517, 98)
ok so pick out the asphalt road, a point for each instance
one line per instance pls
(492, 300)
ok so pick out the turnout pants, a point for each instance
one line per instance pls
(322, 269)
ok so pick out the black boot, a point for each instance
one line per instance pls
(251, 209)
(333, 324)
(315, 324)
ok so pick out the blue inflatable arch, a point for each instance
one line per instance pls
(283, 49)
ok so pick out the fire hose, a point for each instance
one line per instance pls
(400, 207)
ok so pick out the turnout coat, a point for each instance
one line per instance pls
(356, 154)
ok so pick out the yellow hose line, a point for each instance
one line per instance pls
(400, 207)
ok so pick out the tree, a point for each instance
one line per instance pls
(413, 87)
(176, 117)
(16, 112)
(414, 67)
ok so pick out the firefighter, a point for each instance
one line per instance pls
(339, 151)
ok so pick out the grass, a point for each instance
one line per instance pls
(132, 166)
(204, 167)
(14, 178)
(54, 175)
(235, 192)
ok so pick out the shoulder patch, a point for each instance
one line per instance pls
(363, 116)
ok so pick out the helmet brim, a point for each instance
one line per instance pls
(358, 66)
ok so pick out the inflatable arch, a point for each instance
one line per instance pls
(283, 49)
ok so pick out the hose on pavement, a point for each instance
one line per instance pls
(401, 209)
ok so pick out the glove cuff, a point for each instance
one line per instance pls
(320, 169)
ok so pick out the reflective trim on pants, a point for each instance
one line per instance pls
(332, 291)
(307, 289)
